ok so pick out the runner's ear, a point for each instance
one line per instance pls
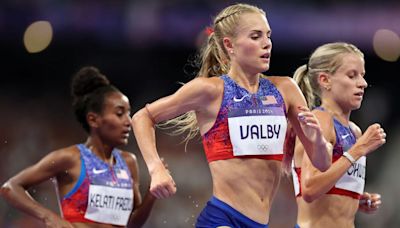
(93, 120)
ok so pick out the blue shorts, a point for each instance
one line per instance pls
(296, 226)
(218, 213)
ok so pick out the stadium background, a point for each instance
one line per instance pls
(144, 48)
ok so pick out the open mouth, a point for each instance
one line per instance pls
(266, 56)
(125, 134)
(359, 94)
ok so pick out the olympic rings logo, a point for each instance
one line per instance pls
(115, 217)
(262, 147)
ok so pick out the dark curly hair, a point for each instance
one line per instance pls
(89, 88)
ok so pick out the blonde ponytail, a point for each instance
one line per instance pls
(305, 84)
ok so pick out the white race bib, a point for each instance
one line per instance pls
(259, 131)
(109, 205)
(354, 178)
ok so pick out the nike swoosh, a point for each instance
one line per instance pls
(235, 99)
(345, 136)
(99, 171)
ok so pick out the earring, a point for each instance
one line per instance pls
(328, 88)
(231, 51)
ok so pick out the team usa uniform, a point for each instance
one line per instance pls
(247, 126)
(352, 182)
(102, 194)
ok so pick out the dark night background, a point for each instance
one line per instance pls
(143, 47)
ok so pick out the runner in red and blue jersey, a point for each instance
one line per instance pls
(98, 184)
(242, 116)
(334, 75)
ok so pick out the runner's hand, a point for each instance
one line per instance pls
(370, 202)
(162, 185)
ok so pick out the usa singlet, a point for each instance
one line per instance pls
(353, 181)
(247, 125)
(102, 194)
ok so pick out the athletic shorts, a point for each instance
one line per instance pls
(218, 213)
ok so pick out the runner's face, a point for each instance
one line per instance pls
(252, 44)
(115, 121)
(348, 82)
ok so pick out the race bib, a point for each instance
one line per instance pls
(257, 131)
(354, 178)
(109, 205)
